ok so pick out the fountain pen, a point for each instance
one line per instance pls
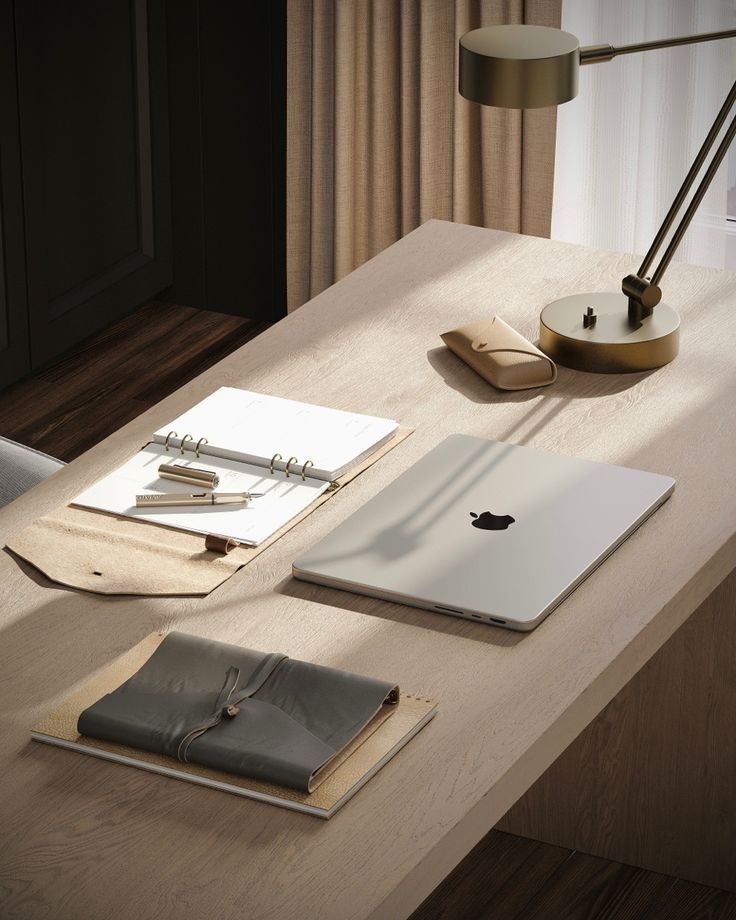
(171, 499)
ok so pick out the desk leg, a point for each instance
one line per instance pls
(652, 781)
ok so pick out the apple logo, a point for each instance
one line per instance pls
(489, 521)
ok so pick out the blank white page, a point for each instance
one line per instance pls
(252, 427)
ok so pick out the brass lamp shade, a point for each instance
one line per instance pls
(519, 67)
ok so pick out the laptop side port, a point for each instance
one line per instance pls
(455, 613)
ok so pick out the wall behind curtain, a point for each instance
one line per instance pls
(379, 140)
(626, 142)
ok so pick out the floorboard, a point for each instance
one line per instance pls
(494, 882)
(589, 888)
(113, 377)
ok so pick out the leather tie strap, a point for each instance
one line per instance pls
(227, 705)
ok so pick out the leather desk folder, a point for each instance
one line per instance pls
(258, 724)
(111, 554)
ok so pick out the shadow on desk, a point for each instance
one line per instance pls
(400, 613)
(65, 642)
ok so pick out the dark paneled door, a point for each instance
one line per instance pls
(14, 353)
(227, 72)
(94, 136)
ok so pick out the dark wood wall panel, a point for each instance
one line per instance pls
(187, 181)
(14, 350)
(228, 148)
(85, 140)
(94, 135)
(142, 157)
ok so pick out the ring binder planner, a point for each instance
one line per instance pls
(242, 430)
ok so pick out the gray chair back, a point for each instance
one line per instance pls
(21, 468)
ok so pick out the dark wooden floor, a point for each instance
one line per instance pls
(511, 878)
(118, 374)
(114, 376)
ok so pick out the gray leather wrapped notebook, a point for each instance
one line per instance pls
(264, 716)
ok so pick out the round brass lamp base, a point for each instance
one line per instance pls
(610, 345)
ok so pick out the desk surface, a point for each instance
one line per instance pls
(80, 837)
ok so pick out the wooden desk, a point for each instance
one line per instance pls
(84, 838)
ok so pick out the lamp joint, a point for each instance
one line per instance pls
(643, 297)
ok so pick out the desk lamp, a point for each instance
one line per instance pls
(523, 67)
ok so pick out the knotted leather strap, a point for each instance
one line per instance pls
(228, 701)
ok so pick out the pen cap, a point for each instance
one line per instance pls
(206, 479)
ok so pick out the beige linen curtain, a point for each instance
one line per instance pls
(379, 140)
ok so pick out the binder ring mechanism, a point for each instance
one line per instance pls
(187, 437)
(287, 468)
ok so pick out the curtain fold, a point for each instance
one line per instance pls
(379, 140)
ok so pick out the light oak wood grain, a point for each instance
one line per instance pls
(81, 838)
(650, 781)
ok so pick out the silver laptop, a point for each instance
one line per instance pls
(486, 531)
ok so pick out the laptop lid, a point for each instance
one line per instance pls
(486, 530)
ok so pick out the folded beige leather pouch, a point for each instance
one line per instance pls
(107, 554)
(501, 355)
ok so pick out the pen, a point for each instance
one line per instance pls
(168, 499)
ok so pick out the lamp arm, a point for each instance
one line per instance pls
(695, 201)
(597, 54)
(644, 293)
(687, 183)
